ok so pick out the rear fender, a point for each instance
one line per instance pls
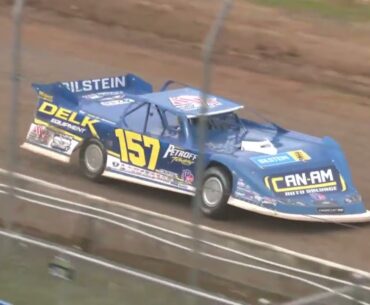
(48, 141)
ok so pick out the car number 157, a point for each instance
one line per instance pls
(132, 148)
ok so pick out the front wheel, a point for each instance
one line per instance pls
(93, 158)
(215, 192)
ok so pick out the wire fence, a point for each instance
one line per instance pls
(46, 272)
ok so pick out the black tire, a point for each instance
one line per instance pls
(214, 204)
(94, 169)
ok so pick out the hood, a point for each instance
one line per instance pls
(259, 140)
(294, 169)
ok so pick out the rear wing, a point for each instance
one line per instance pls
(72, 91)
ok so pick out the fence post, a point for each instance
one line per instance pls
(208, 49)
(14, 107)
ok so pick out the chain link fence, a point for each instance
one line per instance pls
(164, 261)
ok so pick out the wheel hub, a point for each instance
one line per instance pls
(212, 191)
(93, 158)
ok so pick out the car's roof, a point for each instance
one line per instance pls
(187, 102)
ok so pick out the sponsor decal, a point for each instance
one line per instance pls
(353, 198)
(330, 210)
(157, 175)
(67, 125)
(240, 183)
(45, 96)
(96, 84)
(110, 98)
(264, 147)
(192, 102)
(66, 118)
(58, 141)
(142, 172)
(245, 192)
(187, 176)
(281, 158)
(117, 102)
(39, 134)
(179, 155)
(168, 173)
(320, 180)
(318, 196)
(61, 142)
(268, 201)
(105, 95)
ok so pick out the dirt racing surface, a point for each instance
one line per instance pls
(305, 73)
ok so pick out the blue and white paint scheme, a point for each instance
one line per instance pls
(150, 138)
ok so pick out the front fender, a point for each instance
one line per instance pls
(240, 172)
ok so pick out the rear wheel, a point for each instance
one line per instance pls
(93, 158)
(215, 192)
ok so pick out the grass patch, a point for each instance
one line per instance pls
(349, 10)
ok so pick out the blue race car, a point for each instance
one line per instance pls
(124, 130)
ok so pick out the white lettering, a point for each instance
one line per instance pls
(290, 180)
(315, 177)
(170, 150)
(67, 85)
(105, 83)
(96, 83)
(327, 176)
(301, 179)
(173, 152)
(77, 87)
(120, 82)
(86, 85)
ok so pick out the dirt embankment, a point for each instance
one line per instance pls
(259, 39)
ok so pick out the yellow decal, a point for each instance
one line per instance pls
(45, 96)
(299, 155)
(154, 145)
(136, 151)
(343, 183)
(112, 153)
(69, 116)
(132, 148)
(267, 183)
(308, 181)
(277, 189)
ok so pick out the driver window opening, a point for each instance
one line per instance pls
(154, 125)
(173, 122)
(135, 117)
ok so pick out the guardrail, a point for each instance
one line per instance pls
(94, 225)
(116, 230)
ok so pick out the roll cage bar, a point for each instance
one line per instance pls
(161, 111)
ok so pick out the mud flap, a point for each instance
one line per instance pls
(51, 142)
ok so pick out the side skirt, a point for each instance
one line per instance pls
(127, 178)
(349, 218)
(45, 152)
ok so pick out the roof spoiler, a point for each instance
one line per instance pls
(49, 91)
(72, 90)
(129, 83)
(172, 82)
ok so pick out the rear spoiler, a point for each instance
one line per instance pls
(73, 90)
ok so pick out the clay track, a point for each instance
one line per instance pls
(60, 48)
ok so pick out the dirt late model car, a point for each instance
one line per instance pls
(124, 130)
